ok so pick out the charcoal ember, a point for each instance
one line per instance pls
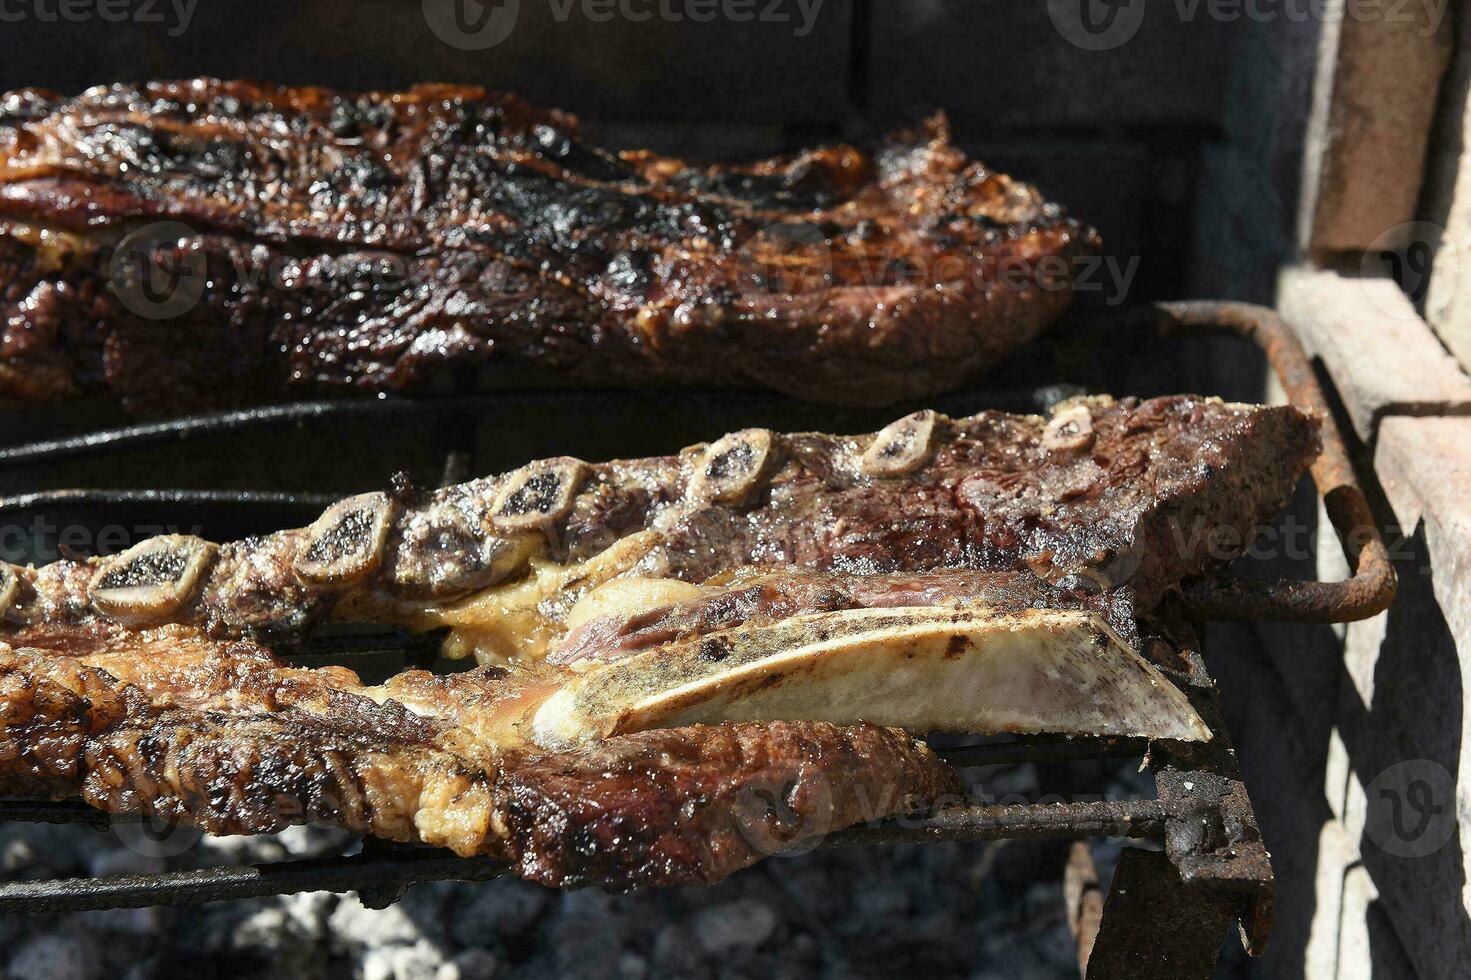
(831, 913)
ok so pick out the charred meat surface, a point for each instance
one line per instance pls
(195, 244)
(1104, 506)
(222, 736)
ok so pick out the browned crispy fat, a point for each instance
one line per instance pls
(757, 789)
(332, 241)
(221, 736)
(1108, 504)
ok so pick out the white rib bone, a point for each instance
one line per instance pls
(925, 669)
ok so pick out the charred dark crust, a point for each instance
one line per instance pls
(714, 799)
(78, 731)
(416, 238)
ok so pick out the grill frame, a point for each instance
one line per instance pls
(1211, 866)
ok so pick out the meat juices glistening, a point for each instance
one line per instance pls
(396, 241)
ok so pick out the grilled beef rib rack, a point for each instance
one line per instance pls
(1172, 904)
(1105, 505)
(195, 244)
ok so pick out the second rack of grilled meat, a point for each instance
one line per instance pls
(1104, 506)
(222, 736)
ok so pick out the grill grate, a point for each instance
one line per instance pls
(1169, 905)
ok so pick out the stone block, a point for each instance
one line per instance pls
(1336, 854)
(1382, 356)
(1424, 465)
(1402, 720)
(1372, 123)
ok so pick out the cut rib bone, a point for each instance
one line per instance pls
(926, 670)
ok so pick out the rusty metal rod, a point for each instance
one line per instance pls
(1371, 588)
(59, 812)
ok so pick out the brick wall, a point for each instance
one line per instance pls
(1351, 737)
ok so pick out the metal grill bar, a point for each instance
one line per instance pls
(383, 879)
(379, 880)
(175, 430)
(58, 812)
(1105, 818)
(171, 498)
(1043, 750)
